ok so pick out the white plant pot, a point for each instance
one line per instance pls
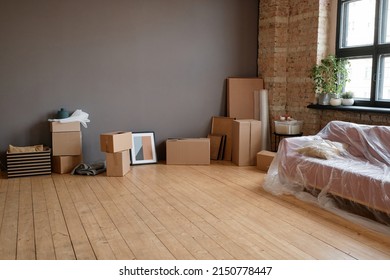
(335, 101)
(348, 102)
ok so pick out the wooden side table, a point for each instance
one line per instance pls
(280, 136)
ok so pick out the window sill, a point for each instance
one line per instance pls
(360, 109)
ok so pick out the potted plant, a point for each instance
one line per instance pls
(335, 99)
(347, 98)
(329, 77)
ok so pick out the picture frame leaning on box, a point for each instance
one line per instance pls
(144, 148)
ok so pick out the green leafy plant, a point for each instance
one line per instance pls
(334, 95)
(330, 75)
(347, 95)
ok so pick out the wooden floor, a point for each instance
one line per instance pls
(171, 212)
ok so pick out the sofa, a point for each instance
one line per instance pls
(344, 160)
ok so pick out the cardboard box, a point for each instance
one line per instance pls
(188, 151)
(66, 143)
(117, 141)
(246, 141)
(240, 97)
(223, 126)
(217, 146)
(117, 164)
(64, 127)
(264, 160)
(65, 164)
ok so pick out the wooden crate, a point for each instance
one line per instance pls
(29, 164)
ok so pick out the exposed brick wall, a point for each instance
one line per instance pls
(303, 32)
(272, 58)
(293, 36)
(288, 32)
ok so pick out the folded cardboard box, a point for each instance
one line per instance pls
(188, 151)
(264, 160)
(21, 164)
(117, 164)
(240, 97)
(66, 143)
(223, 126)
(246, 141)
(117, 141)
(64, 127)
(65, 164)
(217, 146)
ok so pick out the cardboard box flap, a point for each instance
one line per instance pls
(117, 141)
(64, 127)
(240, 97)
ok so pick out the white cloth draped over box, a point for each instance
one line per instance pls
(77, 116)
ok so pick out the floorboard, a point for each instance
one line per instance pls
(165, 212)
(9, 225)
(26, 241)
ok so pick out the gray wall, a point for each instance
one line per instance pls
(137, 65)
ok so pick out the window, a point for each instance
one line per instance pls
(363, 37)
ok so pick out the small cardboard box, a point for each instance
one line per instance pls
(188, 151)
(117, 141)
(65, 164)
(66, 143)
(117, 164)
(64, 127)
(246, 141)
(264, 160)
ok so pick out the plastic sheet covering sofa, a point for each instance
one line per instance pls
(345, 168)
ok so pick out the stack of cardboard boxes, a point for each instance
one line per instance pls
(66, 146)
(246, 127)
(236, 137)
(243, 96)
(116, 146)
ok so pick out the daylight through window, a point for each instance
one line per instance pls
(363, 37)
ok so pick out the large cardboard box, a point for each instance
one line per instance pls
(246, 141)
(66, 143)
(117, 164)
(188, 151)
(264, 160)
(117, 141)
(241, 98)
(64, 127)
(65, 164)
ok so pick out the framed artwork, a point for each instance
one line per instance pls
(144, 149)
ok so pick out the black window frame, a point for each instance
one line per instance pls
(375, 51)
